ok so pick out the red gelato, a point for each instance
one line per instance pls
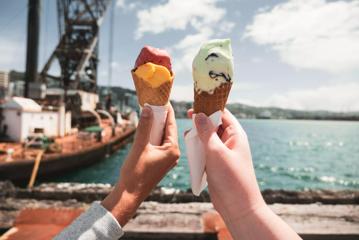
(154, 55)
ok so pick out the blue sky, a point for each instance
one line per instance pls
(300, 54)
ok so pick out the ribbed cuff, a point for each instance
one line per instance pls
(95, 223)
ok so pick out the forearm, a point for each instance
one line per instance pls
(249, 217)
(260, 223)
(121, 204)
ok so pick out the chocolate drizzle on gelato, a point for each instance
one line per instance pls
(215, 75)
(211, 55)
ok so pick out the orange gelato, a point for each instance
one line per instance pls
(153, 74)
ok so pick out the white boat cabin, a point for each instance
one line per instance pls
(23, 117)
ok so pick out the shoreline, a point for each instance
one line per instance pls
(97, 191)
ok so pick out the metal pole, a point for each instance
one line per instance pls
(110, 58)
(32, 49)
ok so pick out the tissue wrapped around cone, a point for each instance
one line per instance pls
(154, 96)
(210, 103)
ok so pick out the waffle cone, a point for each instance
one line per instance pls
(154, 96)
(211, 103)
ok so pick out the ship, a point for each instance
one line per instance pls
(58, 123)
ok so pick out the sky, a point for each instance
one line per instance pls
(300, 54)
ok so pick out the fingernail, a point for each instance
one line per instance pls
(185, 133)
(146, 112)
(201, 119)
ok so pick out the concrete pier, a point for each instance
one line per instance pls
(163, 220)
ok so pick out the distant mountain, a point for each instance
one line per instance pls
(238, 109)
(246, 111)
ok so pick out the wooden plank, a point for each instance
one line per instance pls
(155, 220)
(309, 219)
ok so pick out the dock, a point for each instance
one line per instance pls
(22, 210)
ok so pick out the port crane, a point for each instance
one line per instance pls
(77, 51)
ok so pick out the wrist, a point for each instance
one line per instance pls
(122, 204)
(241, 207)
(239, 223)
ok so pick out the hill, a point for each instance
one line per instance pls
(245, 111)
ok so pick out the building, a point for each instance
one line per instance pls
(125, 100)
(23, 117)
(87, 100)
(265, 115)
(4, 83)
(16, 89)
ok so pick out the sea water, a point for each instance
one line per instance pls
(287, 154)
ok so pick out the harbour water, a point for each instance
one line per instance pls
(287, 154)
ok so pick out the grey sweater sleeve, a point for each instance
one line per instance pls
(95, 223)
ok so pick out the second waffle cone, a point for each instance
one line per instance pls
(211, 103)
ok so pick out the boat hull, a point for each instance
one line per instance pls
(20, 171)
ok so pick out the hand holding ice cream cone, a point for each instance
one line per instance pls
(153, 79)
(213, 77)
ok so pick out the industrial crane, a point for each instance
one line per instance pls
(77, 50)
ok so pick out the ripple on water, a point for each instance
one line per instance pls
(287, 154)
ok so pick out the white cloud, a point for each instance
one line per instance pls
(343, 97)
(120, 3)
(244, 86)
(182, 92)
(188, 47)
(203, 16)
(311, 34)
(123, 4)
(115, 65)
(177, 15)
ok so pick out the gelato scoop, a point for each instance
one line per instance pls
(213, 65)
(154, 55)
(153, 74)
(212, 75)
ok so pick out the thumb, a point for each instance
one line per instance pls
(207, 132)
(143, 130)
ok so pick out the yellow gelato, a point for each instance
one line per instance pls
(153, 74)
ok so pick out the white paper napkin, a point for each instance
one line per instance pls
(158, 124)
(196, 156)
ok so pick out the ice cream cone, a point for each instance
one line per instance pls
(158, 96)
(209, 103)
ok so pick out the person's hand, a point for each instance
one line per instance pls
(230, 174)
(144, 167)
(232, 184)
